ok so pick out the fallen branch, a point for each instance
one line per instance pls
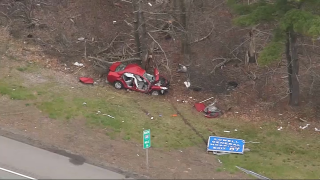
(220, 64)
(198, 40)
(160, 48)
(108, 62)
(110, 44)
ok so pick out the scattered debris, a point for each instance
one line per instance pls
(81, 39)
(252, 173)
(78, 64)
(280, 114)
(278, 128)
(160, 115)
(108, 116)
(304, 126)
(137, 154)
(226, 131)
(187, 84)
(174, 115)
(219, 161)
(316, 129)
(114, 22)
(236, 112)
(302, 120)
(151, 118)
(210, 111)
(149, 4)
(86, 80)
(84, 103)
(235, 130)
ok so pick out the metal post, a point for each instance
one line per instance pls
(147, 160)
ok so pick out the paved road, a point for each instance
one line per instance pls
(22, 161)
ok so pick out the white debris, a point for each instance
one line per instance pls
(110, 116)
(226, 131)
(280, 128)
(122, 121)
(81, 38)
(316, 129)
(236, 130)
(219, 161)
(137, 154)
(149, 4)
(72, 87)
(236, 112)
(84, 103)
(280, 114)
(187, 84)
(78, 64)
(304, 126)
(190, 97)
(151, 118)
(114, 22)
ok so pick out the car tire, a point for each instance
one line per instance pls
(155, 93)
(118, 85)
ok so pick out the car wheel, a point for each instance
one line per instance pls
(118, 85)
(155, 93)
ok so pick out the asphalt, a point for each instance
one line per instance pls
(22, 161)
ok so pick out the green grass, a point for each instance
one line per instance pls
(15, 91)
(280, 154)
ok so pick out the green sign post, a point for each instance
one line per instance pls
(146, 139)
(147, 143)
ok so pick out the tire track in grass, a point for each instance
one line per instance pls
(190, 125)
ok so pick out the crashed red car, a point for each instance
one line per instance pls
(133, 77)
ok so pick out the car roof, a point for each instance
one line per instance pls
(134, 69)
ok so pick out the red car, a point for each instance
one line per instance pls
(133, 77)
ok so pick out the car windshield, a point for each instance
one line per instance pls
(120, 67)
(149, 77)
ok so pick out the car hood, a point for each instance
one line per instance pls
(114, 66)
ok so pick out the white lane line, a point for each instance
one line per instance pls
(9, 171)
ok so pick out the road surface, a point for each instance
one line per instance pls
(22, 161)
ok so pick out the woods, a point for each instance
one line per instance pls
(293, 18)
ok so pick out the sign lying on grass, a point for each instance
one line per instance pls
(225, 145)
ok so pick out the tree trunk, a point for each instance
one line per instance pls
(136, 27)
(140, 36)
(293, 68)
(185, 47)
(144, 42)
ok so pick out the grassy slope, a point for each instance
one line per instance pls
(280, 154)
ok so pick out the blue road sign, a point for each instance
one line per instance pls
(222, 144)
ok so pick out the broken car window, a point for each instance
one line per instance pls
(149, 77)
(120, 67)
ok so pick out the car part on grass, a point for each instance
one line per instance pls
(86, 80)
(210, 111)
(252, 173)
